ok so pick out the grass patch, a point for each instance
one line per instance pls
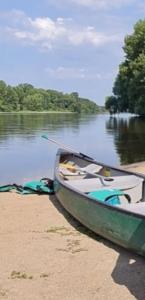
(44, 275)
(20, 275)
(3, 293)
(61, 230)
(79, 250)
(57, 229)
(73, 246)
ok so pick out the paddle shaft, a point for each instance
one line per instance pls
(102, 178)
(66, 147)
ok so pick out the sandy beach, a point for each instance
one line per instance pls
(46, 254)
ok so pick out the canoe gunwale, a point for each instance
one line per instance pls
(58, 178)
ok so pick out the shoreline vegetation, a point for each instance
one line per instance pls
(37, 112)
(48, 112)
(25, 98)
(129, 85)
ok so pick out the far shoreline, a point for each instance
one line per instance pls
(37, 112)
(47, 112)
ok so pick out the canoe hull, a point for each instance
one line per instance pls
(116, 224)
(122, 228)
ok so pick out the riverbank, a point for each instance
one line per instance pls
(37, 112)
(136, 167)
(45, 254)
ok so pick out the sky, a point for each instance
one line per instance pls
(66, 45)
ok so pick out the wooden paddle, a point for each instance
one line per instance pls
(66, 147)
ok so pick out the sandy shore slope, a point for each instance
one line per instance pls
(45, 254)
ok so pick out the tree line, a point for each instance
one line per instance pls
(129, 86)
(25, 97)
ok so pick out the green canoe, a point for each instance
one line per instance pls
(107, 200)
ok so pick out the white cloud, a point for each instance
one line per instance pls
(47, 33)
(90, 35)
(66, 73)
(77, 73)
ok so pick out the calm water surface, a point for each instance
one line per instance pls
(24, 155)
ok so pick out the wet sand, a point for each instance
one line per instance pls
(46, 254)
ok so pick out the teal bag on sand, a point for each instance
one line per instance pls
(110, 196)
(7, 188)
(43, 186)
(39, 187)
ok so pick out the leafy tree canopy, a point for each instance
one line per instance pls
(129, 86)
(25, 97)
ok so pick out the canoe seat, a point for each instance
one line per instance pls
(91, 184)
(91, 169)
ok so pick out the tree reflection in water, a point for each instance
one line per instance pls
(23, 154)
(129, 138)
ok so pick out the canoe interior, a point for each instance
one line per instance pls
(85, 176)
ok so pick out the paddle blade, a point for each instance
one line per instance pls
(44, 136)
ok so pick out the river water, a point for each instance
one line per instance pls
(24, 155)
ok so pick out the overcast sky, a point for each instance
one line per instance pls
(67, 45)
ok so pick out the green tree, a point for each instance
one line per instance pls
(129, 86)
(75, 95)
(111, 104)
(11, 102)
(33, 102)
(26, 97)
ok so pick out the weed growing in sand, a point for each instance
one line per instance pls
(20, 275)
(3, 293)
(57, 229)
(44, 275)
(73, 246)
(63, 231)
